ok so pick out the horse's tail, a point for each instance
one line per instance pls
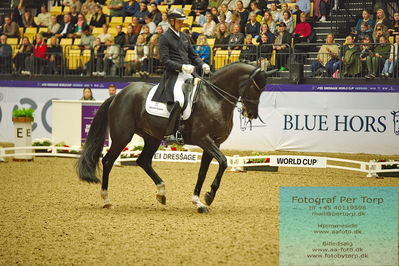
(92, 149)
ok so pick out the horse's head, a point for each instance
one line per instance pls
(396, 121)
(251, 91)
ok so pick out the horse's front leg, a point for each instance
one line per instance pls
(205, 161)
(213, 149)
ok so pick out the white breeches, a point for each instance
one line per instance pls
(178, 89)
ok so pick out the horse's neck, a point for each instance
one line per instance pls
(229, 81)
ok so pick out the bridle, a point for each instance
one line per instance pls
(233, 100)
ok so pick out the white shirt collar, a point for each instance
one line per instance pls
(176, 32)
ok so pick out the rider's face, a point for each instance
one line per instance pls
(178, 24)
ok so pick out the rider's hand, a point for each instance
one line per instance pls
(188, 69)
(206, 68)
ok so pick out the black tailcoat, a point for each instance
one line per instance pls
(174, 51)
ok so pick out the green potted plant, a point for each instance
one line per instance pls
(22, 119)
(23, 115)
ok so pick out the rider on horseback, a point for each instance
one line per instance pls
(177, 56)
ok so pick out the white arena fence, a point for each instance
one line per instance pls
(236, 163)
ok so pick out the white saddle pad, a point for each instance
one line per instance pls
(159, 109)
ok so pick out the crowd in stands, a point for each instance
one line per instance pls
(116, 37)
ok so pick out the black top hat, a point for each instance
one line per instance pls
(176, 13)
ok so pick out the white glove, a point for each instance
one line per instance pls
(188, 69)
(206, 68)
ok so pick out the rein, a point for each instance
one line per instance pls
(225, 94)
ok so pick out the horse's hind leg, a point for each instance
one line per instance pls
(118, 144)
(151, 145)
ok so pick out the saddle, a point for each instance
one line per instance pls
(190, 94)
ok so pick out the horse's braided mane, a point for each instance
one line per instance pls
(231, 64)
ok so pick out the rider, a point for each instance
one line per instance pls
(177, 56)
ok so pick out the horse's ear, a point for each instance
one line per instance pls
(271, 72)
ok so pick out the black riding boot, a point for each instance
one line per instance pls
(171, 135)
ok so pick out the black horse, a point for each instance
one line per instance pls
(208, 126)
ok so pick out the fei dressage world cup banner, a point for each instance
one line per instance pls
(323, 118)
(314, 118)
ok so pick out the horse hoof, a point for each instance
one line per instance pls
(202, 209)
(107, 206)
(161, 199)
(208, 198)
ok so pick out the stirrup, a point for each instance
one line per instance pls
(176, 138)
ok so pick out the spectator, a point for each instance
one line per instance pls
(365, 19)
(5, 55)
(266, 51)
(253, 26)
(324, 7)
(215, 14)
(350, 59)
(283, 39)
(80, 24)
(111, 90)
(87, 95)
(222, 37)
(376, 61)
(38, 59)
(235, 20)
(140, 53)
(222, 20)
(130, 39)
(87, 15)
(267, 19)
(142, 13)
(112, 58)
(264, 29)
(366, 50)
(202, 48)
(302, 6)
(10, 28)
(98, 54)
(244, 14)
(255, 9)
(24, 50)
(150, 24)
(249, 51)
(198, 6)
(120, 36)
(164, 23)
(287, 19)
(130, 8)
(98, 19)
(67, 28)
(54, 53)
(136, 25)
(284, 7)
(44, 18)
(115, 8)
(158, 31)
(327, 56)
(274, 12)
(392, 61)
(87, 39)
(155, 14)
(302, 30)
(209, 27)
(236, 38)
(153, 60)
(224, 10)
(52, 28)
(381, 19)
(104, 35)
(394, 29)
(90, 6)
(380, 30)
(74, 15)
(146, 33)
(76, 4)
(365, 30)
